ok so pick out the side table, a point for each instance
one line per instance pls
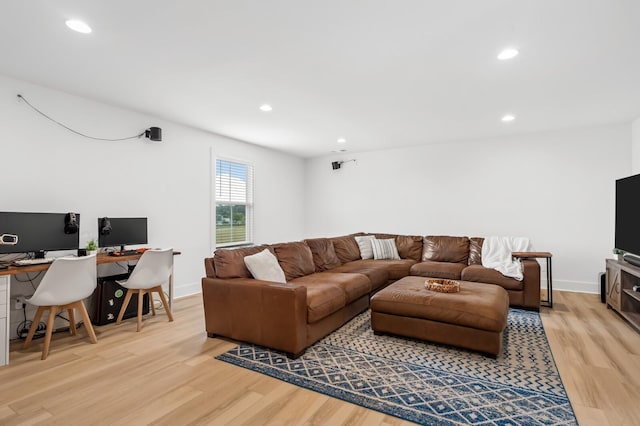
(540, 255)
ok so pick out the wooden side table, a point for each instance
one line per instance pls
(540, 255)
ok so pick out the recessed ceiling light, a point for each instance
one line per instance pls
(266, 108)
(78, 26)
(342, 140)
(508, 54)
(508, 118)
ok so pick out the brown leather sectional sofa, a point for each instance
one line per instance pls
(328, 284)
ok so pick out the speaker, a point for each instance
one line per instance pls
(154, 133)
(632, 259)
(603, 287)
(106, 301)
(70, 223)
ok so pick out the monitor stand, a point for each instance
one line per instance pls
(121, 248)
(38, 254)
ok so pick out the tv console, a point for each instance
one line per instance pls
(622, 277)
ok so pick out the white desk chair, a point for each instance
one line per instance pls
(152, 271)
(65, 285)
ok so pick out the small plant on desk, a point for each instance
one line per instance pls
(92, 247)
(619, 252)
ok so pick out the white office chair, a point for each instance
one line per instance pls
(152, 271)
(67, 282)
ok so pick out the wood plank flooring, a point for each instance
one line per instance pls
(166, 375)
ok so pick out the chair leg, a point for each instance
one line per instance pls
(151, 304)
(140, 305)
(34, 326)
(87, 321)
(47, 336)
(125, 303)
(72, 321)
(164, 301)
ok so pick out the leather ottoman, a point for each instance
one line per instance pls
(473, 318)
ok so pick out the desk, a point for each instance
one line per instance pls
(540, 255)
(5, 293)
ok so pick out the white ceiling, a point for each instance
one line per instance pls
(380, 73)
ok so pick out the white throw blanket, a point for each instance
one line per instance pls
(496, 254)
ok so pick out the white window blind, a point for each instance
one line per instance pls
(234, 203)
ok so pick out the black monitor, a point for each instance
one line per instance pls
(122, 231)
(38, 232)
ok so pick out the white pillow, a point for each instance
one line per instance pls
(364, 243)
(384, 249)
(264, 266)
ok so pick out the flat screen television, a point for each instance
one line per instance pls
(123, 231)
(37, 232)
(628, 214)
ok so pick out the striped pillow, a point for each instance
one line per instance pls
(364, 244)
(384, 249)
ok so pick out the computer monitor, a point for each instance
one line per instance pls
(38, 232)
(122, 231)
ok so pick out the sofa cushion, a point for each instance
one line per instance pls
(353, 285)
(295, 259)
(475, 250)
(409, 246)
(229, 263)
(364, 244)
(264, 266)
(324, 255)
(384, 249)
(479, 273)
(446, 249)
(346, 248)
(396, 269)
(377, 273)
(322, 299)
(385, 236)
(448, 270)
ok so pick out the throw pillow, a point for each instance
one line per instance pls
(364, 244)
(264, 266)
(384, 249)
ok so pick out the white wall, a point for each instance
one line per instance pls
(635, 146)
(557, 188)
(48, 169)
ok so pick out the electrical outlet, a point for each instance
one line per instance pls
(19, 302)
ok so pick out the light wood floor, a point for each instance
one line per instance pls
(166, 374)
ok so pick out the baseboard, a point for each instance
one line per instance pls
(575, 286)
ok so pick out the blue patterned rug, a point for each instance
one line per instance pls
(428, 383)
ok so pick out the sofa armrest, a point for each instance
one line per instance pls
(531, 284)
(261, 312)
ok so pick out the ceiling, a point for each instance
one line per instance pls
(379, 73)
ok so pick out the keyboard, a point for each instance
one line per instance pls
(127, 252)
(27, 262)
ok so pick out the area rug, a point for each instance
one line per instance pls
(428, 383)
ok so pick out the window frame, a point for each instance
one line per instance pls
(249, 202)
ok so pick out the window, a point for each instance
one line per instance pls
(234, 203)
